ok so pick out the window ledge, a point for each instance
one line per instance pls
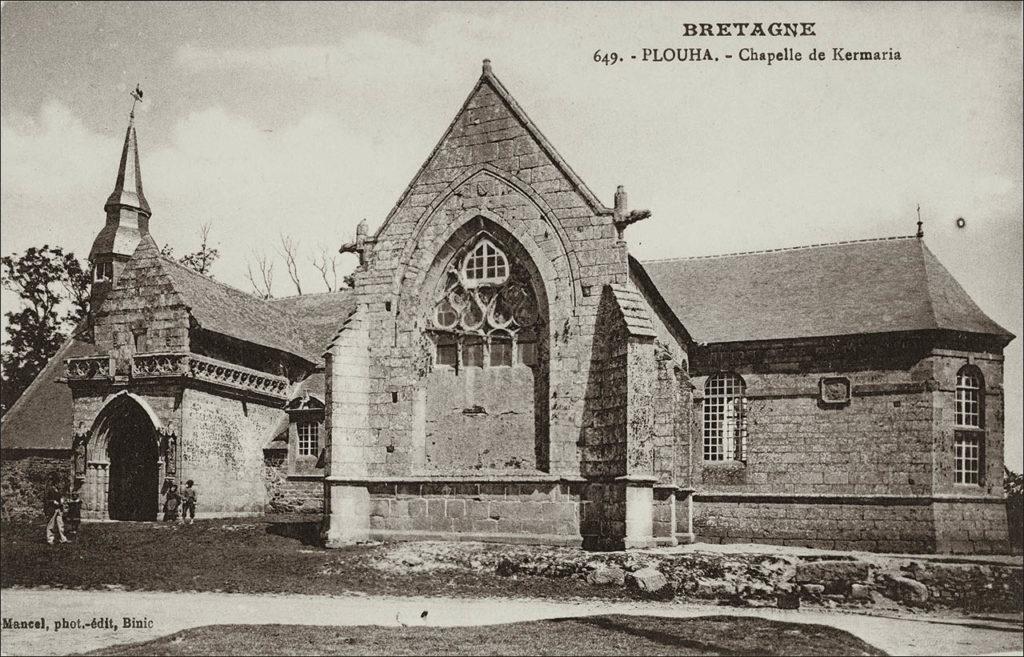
(729, 464)
(312, 476)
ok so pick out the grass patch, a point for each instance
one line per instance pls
(593, 635)
(244, 555)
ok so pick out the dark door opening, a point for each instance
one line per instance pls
(134, 466)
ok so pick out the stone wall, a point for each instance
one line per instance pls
(967, 526)
(873, 473)
(221, 449)
(292, 494)
(142, 313)
(945, 363)
(817, 523)
(488, 169)
(605, 414)
(25, 476)
(480, 418)
(539, 512)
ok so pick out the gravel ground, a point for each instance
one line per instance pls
(164, 613)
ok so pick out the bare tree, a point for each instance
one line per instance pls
(200, 261)
(289, 251)
(203, 259)
(262, 282)
(327, 265)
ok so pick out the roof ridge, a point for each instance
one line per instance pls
(487, 76)
(929, 301)
(213, 280)
(309, 294)
(784, 248)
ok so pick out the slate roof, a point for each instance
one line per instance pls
(634, 310)
(42, 417)
(319, 317)
(301, 325)
(868, 286)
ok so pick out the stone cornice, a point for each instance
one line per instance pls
(208, 370)
(89, 368)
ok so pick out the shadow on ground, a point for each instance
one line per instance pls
(595, 635)
(306, 532)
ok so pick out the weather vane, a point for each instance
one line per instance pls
(136, 95)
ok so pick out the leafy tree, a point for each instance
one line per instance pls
(53, 286)
(1013, 483)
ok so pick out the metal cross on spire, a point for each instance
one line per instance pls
(136, 95)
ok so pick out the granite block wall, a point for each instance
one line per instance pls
(541, 512)
(25, 476)
(221, 449)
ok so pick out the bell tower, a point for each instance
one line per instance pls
(127, 217)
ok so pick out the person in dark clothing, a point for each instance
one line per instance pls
(54, 505)
(189, 497)
(171, 503)
(73, 516)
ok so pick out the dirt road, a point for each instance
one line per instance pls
(79, 621)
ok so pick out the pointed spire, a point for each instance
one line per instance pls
(128, 188)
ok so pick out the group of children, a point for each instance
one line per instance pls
(186, 500)
(64, 512)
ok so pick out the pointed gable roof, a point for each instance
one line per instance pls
(490, 81)
(869, 286)
(43, 416)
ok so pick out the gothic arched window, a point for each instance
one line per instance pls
(725, 422)
(484, 265)
(486, 312)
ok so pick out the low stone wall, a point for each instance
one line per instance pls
(290, 494)
(24, 477)
(908, 525)
(964, 526)
(787, 578)
(540, 513)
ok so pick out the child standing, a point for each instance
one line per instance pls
(189, 498)
(171, 504)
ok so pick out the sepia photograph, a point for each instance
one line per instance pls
(508, 328)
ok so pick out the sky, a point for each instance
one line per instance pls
(301, 119)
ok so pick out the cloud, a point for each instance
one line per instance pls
(313, 180)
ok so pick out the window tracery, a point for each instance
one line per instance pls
(486, 313)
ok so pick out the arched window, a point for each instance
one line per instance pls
(484, 265)
(969, 398)
(486, 313)
(969, 417)
(725, 427)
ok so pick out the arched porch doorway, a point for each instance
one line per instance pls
(124, 469)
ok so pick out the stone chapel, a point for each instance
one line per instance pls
(504, 370)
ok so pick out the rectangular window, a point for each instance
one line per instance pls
(527, 353)
(104, 271)
(966, 459)
(447, 351)
(501, 353)
(968, 401)
(473, 352)
(725, 432)
(309, 438)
